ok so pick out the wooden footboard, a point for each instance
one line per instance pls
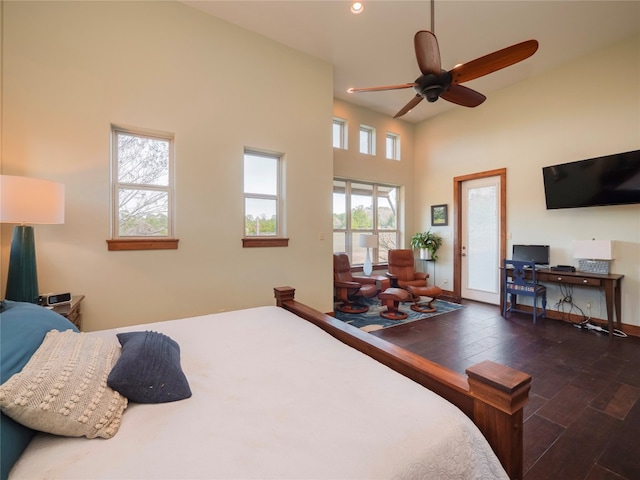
(492, 395)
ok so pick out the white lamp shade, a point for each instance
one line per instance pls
(28, 200)
(593, 249)
(368, 241)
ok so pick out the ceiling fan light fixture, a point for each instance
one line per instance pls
(432, 92)
(357, 8)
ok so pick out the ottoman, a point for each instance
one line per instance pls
(417, 292)
(391, 298)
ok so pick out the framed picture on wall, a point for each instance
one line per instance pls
(439, 215)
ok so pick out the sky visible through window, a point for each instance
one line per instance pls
(260, 177)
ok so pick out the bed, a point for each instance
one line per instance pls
(271, 396)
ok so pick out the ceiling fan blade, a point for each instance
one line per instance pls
(463, 96)
(493, 61)
(386, 87)
(409, 106)
(427, 52)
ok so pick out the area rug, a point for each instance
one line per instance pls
(371, 320)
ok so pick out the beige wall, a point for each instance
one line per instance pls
(352, 164)
(574, 112)
(73, 68)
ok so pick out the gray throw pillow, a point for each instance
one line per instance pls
(148, 370)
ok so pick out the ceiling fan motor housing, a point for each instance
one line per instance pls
(431, 86)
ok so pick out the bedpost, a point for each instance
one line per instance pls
(283, 294)
(500, 394)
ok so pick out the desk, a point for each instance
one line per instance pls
(611, 284)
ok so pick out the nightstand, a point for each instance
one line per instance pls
(72, 311)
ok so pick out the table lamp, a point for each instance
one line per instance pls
(25, 200)
(594, 256)
(368, 241)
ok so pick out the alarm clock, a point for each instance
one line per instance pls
(53, 299)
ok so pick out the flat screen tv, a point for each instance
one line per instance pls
(609, 180)
(539, 254)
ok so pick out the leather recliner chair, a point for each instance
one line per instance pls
(403, 274)
(350, 289)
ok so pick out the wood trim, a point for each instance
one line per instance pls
(492, 395)
(258, 242)
(142, 244)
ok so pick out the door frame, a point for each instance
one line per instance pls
(457, 222)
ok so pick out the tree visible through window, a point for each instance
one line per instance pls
(142, 190)
(364, 208)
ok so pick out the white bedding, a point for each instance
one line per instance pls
(274, 397)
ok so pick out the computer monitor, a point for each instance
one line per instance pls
(527, 253)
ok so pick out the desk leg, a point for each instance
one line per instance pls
(618, 302)
(609, 289)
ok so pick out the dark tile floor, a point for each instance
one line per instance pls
(583, 417)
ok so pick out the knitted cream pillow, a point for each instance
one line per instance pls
(63, 388)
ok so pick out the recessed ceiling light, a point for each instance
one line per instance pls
(357, 7)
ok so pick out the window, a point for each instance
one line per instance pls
(142, 195)
(393, 146)
(339, 133)
(364, 208)
(367, 140)
(262, 198)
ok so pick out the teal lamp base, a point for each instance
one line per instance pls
(22, 279)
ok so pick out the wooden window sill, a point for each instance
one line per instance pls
(143, 244)
(257, 242)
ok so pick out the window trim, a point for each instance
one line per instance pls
(259, 242)
(164, 242)
(277, 240)
(142, 244)
(343, 140)
(395, 139)
(371, 139)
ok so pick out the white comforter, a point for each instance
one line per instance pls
(274, 397)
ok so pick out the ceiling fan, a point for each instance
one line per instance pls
(437, 83)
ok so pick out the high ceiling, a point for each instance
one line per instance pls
(376, 47)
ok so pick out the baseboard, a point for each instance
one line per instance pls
(448, 296)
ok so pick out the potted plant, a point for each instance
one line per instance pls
(428, 243)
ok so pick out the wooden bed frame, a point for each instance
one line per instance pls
(491, 395)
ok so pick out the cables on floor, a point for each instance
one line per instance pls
(585, 324)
